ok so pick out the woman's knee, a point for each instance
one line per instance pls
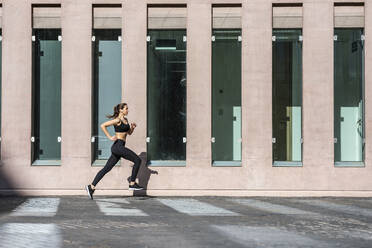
(131, 156)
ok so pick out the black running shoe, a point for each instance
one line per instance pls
(135, 186)
(90, 191)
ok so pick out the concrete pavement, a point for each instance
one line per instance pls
(179, 222)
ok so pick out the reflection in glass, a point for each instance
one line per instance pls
(166, 95)
(349, 95)
(106, 86)
(46, 94)
(287, 95)
(226, 95)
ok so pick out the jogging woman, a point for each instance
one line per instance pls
(118, 149)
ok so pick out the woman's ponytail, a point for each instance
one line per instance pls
(117, 109)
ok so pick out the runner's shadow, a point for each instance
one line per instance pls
(144, 175)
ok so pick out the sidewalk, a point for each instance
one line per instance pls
(185, 222)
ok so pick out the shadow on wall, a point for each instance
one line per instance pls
(144, 175)
(6, 184)
(9, 199)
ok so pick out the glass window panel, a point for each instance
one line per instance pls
(349, 95)
(226, 95)
(106, 86)
(287, 95)
(166, 95)
(46, 94)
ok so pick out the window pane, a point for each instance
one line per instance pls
(106, 86)
(226, 95)
(287, 95)
(46, 94)
(166, 95)
(349, 95)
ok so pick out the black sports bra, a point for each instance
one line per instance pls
(122, 127)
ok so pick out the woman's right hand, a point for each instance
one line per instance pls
(107, 124)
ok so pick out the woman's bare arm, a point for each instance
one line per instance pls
(132, 127)
(107, 124)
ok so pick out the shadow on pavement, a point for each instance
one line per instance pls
(144, 175)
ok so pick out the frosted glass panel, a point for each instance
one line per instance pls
(294, 133)
(350, 134)
(237, 133)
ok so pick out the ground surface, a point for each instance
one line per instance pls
(185, 222)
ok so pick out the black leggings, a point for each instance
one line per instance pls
(118, 150)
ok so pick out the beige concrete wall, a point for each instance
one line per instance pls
(198, 95)
(368, 89)
(256, 94)
(16, 90)
(134, 70)
(256, 176)
(318, 92)
(76, 89)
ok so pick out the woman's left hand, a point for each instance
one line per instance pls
(133, 125)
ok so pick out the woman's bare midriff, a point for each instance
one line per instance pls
(121, 136)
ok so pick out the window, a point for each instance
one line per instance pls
(166, 85)
(226, 86)
(287, 85)
(106, 90)
(46, 86)
(349, 128)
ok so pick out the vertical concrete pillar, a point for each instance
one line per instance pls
(318, 86)
(76, 84)
(318, 147)
(16, 84)
(368, 83)
(134, 69)
(256, 87)
(198, 132)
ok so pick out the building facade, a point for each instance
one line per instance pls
(237, 98)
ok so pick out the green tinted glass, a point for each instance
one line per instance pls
(106, 86)
(226, 95)
(349, 95)
(166, 95)
(287, 95)
(46, 94)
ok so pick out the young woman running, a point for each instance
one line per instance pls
(118, 149)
